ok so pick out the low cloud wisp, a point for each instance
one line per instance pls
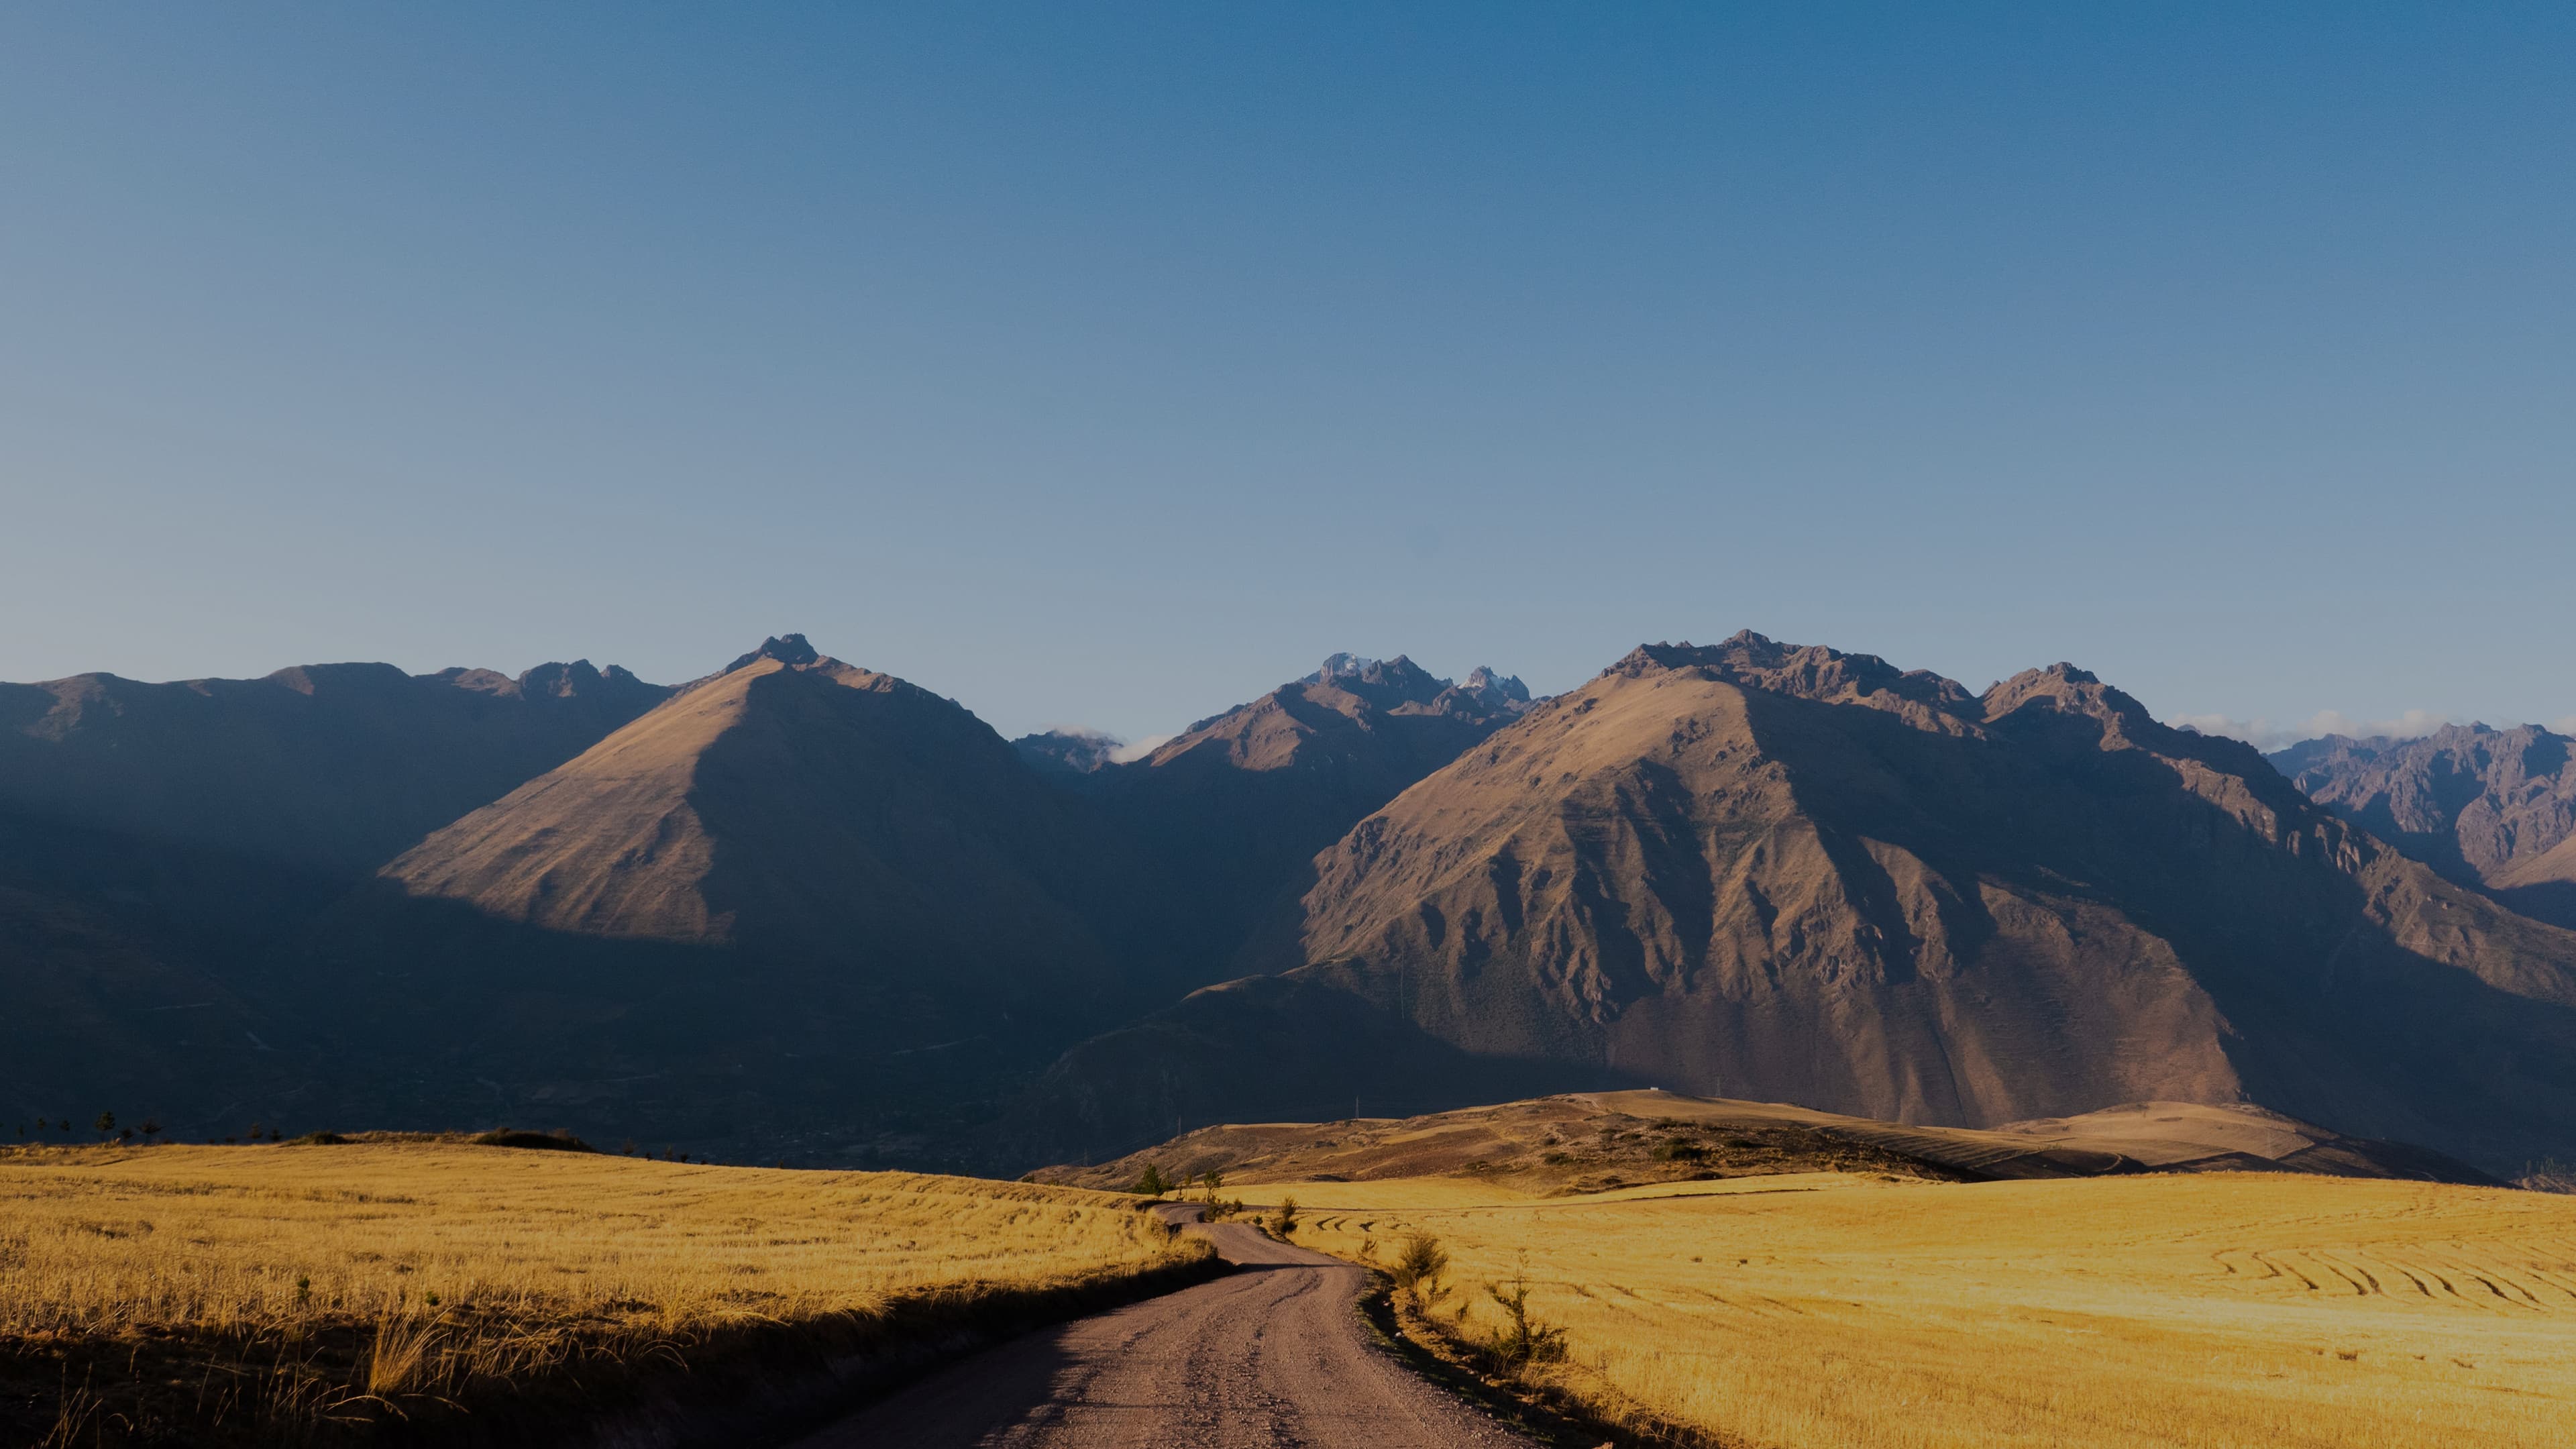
(2265, 735)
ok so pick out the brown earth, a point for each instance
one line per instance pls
(1275, 1354)
(1590, 1142)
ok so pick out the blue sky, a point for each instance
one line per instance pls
(1108, 365)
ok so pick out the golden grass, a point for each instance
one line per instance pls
(459, 1266)
(227, 1236)
(2213, 1311)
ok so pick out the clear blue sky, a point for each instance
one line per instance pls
(1109, 365)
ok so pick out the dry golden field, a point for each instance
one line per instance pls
(2259, 1310)
(319, 1284)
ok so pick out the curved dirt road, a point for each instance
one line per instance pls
(1271, 1356)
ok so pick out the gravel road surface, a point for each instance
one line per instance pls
(1273, 1355)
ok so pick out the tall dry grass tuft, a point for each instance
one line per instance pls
(73, 1413)
(403, 1358)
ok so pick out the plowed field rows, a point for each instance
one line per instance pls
(2225, 1310)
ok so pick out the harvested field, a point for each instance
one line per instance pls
(286, 1293)
(2221, 1310)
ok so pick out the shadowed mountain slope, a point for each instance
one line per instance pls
(332, 766)
(2480, 805)
(1790, 873)
(166, 850)
(122, 966)
(1231, 811)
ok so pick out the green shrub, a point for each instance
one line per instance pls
(1419, 1266)
(1522, 1340)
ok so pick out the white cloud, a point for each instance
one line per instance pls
(2413, 724)
(1140, 749)
(2263, 734)
(2566, 726)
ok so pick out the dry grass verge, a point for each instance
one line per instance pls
(1532, 1398)
(451, 1293)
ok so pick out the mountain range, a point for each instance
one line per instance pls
(2491, 809)
(798, 908)
(329, 766)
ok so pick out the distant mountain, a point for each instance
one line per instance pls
(2482, 806)
(1794, 874)
(327, 766)
(799, 908)
(1069, 752)
(1231, 811)
(166, 848)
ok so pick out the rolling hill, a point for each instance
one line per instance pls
(1588, 1142)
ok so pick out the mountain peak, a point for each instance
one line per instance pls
(1385, 683)
(1070, 748)
(788, 649)
(2068, 690)
(1804, 671)
(1483, 681)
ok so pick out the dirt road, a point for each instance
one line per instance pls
(1272, 1356)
